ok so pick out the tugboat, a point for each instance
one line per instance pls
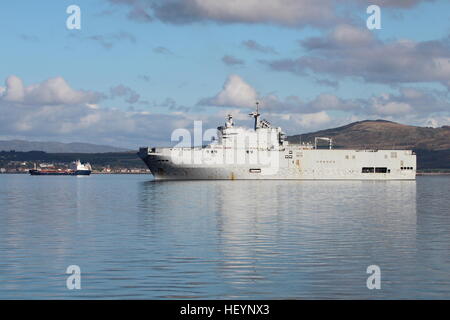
(76, 169)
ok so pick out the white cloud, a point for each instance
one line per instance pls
(51, 91)
(291, 13)
(311, 120)
(436, 121)
(235, 93)
(348, 51)
(394, 3)
(231, 60)
(326, 101)
(411, 101)
(52, 110)
(392, 108)
(345, 34)
(129, 94)
(255, 46)
(283, 12)
(14, 90)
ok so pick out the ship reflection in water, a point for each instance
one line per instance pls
(291, 240)
(135, 238)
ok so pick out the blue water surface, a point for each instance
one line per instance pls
(134, 238)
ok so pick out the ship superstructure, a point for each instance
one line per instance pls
(264, 153)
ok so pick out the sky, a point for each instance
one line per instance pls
(136, 70)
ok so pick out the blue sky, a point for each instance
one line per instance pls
(128, 81)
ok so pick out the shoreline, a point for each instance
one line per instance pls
(439, 173)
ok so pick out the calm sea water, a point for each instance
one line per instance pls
(134, 238)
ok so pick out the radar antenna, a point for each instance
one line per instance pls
(256, 115)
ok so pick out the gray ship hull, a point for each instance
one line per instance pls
(304, 165)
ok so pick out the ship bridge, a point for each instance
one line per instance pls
(262, 137)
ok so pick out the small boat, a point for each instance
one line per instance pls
(76, 169)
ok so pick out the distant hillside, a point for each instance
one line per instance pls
(382, 134)
(432, 145)
(56, 147)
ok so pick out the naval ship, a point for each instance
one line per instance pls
(264, 153)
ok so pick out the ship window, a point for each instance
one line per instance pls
(381, 170)
(255, 170)
(346, 157)
(393, 154)
(367, 170)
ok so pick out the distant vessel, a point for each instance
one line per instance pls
(263, 153)
(76, 169)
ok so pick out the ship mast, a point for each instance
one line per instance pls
(256, 115)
